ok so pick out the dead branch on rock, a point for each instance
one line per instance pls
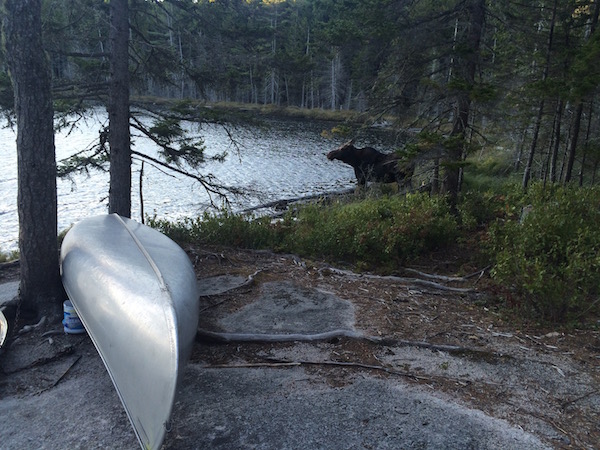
(228, 338)
(396, 279)
(445, 278)
(231, 338)
(249, 282)
(276, 363)
(358, 365)
(58, 380)
(284, 203)
(251, 365)
(44, 360)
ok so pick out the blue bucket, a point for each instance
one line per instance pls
(71, 321)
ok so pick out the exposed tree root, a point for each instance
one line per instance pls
(396, 279)
(230, 338)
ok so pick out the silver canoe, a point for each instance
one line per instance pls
(3, 328)
(135, 291)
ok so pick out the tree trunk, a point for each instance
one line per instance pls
(538, 122)
(579, 111)
(119, 198)
(463, 102)
(40, 285)
(536, 133)
(556, 143)
(573, 143)
(586, 143)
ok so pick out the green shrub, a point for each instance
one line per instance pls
(551, 258)
(9, 256)
(235, 230)
(180, 231)
(223, 228)
(479, 208)
(491, 170)
(370, 233)
(380, 231)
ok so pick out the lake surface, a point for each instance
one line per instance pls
(278, 160)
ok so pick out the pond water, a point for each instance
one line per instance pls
(279, 159)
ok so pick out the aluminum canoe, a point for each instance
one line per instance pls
(3, 328)
(135, 291)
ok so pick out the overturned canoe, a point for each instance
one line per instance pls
(135, 291)
(3, 328)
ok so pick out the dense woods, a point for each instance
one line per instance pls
(469, 73)
(515, 82)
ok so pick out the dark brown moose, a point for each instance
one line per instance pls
(372, 165)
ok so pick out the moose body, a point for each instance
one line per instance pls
(372, 165)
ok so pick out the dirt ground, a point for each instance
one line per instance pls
(542, 380)
(440, 334)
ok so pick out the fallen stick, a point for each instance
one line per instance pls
(249, 281)
(9, 264)
(276, 364)
(229, 338)
(576, 399)
(61, 377)
(286, 202)
(233, 338)
(351, 364)
(45, 360)
(396, 279)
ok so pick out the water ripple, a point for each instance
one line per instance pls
(286, 159)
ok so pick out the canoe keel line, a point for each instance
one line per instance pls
(135, 291)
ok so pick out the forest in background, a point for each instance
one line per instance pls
(471, 74)
(512, 82)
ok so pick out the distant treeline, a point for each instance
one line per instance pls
(523, 75)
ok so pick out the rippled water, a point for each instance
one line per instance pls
(282, 159)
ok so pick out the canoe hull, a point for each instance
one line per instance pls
(135, 291)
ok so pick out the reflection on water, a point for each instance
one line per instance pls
(281, 160)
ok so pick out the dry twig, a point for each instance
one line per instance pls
(396, 279)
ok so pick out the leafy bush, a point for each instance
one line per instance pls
(224, 229)
(374, 231)
(491, 172)
(235, 230)
(9, 256)
(551, 258)
(180, 231)
(371, 232)
(478, 208)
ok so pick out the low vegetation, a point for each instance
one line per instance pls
(8, 256)
(543, 246)
(549, 256)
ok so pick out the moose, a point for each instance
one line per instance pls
(372, 165)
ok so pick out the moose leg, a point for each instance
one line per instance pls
(361, 177)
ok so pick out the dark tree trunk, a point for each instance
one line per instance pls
(556, 143)
(534, 140)
(579, 112)
(540, 115)
(40, 285)
(587, 141)
(573, 143)
(463, 102)
(119, 198)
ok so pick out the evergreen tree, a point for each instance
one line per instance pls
(40, 286)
